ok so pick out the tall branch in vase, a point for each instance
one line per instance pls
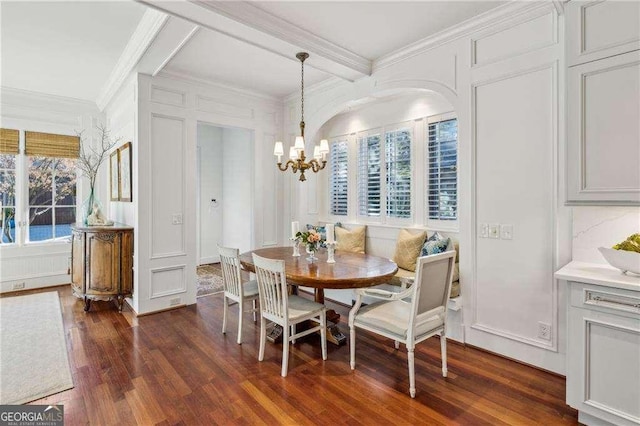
(91, 158)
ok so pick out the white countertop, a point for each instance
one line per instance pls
(594, 273)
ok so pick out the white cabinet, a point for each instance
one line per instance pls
(603, 102)
(603, 344)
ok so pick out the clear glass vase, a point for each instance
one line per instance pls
(311, 251)
(88, 206)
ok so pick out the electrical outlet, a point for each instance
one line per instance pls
(174, 302)
(544, 331)
(484, 230)
(494, 230)
(176, 219)
(506, 232)
(18, 286)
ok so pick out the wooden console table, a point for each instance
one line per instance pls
(102, 263)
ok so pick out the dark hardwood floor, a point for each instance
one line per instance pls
(176, 367)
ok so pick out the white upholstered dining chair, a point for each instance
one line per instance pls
(412, 315)
(234, 289)
(278, 306)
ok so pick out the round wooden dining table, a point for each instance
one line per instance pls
(350, 270)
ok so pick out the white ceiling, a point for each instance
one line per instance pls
(212, 56)
(65, 48)
(373, 29)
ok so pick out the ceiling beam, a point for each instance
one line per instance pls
(250, 24)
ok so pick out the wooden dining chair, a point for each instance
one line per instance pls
(284, 309)
(412, 315)
(234, 289)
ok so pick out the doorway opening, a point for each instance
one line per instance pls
(224, 198)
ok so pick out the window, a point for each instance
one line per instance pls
(369, 184)
(46, 172)
(338, 180)
(395, 161)
(442, 197)
(398, 161)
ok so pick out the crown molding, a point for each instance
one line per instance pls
(254, 17)
(27, 98)
(234, 90)
(148, 28)
(492, 17)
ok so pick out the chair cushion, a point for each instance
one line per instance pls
(299, 306)
(408, 248)
(351, 240)
(393, 317)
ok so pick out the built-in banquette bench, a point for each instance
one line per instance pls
(409, 245)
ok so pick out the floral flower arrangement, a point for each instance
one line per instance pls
(311, 239)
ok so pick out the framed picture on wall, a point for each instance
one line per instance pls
(125, 172)
(114, 168)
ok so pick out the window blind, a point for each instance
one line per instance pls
(398, 168)
(369, 168)
(50, 145)
(338, 180)
(9, 141)
(443, 170)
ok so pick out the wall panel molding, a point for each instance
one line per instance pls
(164, 278)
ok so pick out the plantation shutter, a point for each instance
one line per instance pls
(9, 141)
(369, 185)
(443, 170)
(398, 167)
(338, 180)
(50, 145)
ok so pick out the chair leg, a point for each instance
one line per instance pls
(293, 333)
(323, 333)
(240, 312)
(352, 346)
(225, 307)
(443, 350)
(255, 317)
(285, 350)
(412, 372)
(263, 337)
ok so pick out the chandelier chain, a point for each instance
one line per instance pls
(302, 87)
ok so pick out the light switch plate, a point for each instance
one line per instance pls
(176, 219)
(484, 230)
(506, 232)
(494, 230)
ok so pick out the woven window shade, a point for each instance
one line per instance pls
(9, 141)
(50, 145)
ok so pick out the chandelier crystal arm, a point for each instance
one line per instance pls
(316, 166)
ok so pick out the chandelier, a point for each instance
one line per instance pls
(296, 152)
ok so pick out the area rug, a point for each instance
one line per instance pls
(33, 351)
(209, 280)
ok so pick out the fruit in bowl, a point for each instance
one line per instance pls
(625, 255)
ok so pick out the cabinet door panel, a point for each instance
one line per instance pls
(603, 133)
(103, 269)
(77, 265)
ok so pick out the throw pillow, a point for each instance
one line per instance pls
(351, 240)
(408, 249)
(434, 247)
(435, 237)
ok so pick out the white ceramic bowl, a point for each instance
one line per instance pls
(622, 259)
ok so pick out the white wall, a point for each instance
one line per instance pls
(210, 160)
(504, 80)
(238, 182)
(44, 264)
